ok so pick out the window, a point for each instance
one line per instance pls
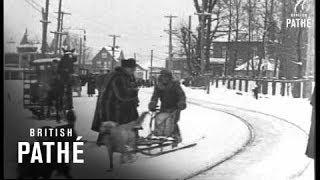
(7, 75)
(104, 55)
(223, 51)
(254, 50)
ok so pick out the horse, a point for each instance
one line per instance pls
(65, 71)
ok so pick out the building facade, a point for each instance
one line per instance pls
(104, 59)
(140, 73)
(235, 53)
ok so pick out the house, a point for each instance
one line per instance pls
(27, 51)
(179, 67)
(154, 72)
(140, 72)
(217, 66)
(104, 59)
(237, 52)
(267, 68)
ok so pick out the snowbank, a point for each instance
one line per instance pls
(295, 110)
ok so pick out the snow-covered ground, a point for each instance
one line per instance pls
(224, 133)
(296, 110)
(216, 144)
(223, 136)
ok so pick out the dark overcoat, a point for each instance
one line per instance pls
(310, 152)
(170, 96)
(100, 81)
(91, 85)
(118, 101)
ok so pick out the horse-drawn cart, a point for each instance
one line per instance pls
(36, 85)
(45, 89)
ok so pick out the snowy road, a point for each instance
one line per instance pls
(276, 152)
(217, 145)
(276, 149)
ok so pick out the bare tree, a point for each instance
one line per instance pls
(213, 23)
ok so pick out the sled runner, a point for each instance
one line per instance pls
(160, 140)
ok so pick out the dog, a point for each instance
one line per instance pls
(120, 138)
(43, 170)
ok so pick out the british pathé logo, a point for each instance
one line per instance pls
(300, 4)
(299, 19)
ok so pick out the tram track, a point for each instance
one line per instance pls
(231, 110)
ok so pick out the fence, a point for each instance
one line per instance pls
(298, 88)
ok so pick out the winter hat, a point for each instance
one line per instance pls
(131, 63)
(166, 73)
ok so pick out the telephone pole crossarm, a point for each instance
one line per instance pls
(113, 48)
(170, 32)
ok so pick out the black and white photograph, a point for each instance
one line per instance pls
(159, 89)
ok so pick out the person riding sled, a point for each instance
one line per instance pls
(118, 101)
(172, 98)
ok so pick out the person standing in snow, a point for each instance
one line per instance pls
(91, 85)
(310, 151)
(118, 100)
(172, 99)
(255, 90)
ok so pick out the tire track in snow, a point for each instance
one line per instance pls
(247, 143)
(250, 126)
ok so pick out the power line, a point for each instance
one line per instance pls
(33, 6)
(170, 31)
(34, 2)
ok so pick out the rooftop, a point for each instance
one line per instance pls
(267, 64)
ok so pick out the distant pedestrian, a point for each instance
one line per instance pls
(91, 85)
(310, 152)
(255, 90)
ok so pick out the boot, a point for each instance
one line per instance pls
(176, 136)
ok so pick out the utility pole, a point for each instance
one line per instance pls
(58, 28)
(113, 48)
(59, 33)
(202, 25)
(45, 23)
(80, 51)
(61, 29)
(151, 66)
(189, 43)
(169, 64)
(84, 47)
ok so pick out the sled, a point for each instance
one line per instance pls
(160, 140)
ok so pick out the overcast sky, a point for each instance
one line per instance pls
(140, 23)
